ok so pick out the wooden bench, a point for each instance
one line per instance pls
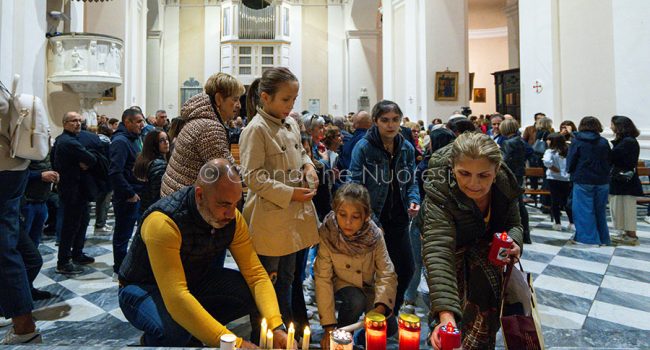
(234, 150)
(539, 173)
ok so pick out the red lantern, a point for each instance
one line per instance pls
(375, 331)
(409, 332)
(449, 337)
(501, 242)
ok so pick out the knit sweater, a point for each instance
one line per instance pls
(203, 138)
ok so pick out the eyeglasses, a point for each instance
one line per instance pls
(163, 140)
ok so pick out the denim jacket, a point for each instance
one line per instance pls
(370, 166)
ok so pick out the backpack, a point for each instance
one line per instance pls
(29, 126)
(539, 146)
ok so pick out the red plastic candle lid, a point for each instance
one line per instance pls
(450, 327)
(504, 236)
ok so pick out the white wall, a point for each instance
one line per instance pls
(335, 61)
(631, 29)
(171, 98)
(314, 53)
(296, 50)
(486, 56)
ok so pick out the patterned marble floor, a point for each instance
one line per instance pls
(589, 297)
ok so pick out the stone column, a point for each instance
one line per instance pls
(171, 98)
(512, 15)
(212, 39)
(154, 71)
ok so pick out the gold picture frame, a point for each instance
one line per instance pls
(479, 95)
(109, 95)
(446, 88)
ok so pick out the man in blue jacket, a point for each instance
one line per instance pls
(72, 160)
(126, 202)
(361, 122)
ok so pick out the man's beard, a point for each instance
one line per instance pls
(205, 214)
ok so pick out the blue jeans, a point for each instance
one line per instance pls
(224, 294)
(411, 293)
(353, 304)
(34, 216)
(126, 214)
(281, 270)
(15, 294)
(590, 213)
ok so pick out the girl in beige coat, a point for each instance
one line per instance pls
(279, 211)
(353, 265)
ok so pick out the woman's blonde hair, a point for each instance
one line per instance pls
(412, 125)
(224, 84)
(508, 127)
(475, 146)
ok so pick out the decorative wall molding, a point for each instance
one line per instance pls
(361, 34)
(489, 33)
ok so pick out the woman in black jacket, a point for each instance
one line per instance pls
(624, 185)
(513, 149)
(150, 166)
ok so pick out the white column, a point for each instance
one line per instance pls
(7, 33)
(336, 61)
(77, 16)
(362, 68)
(154, 69)
(414, 51)
(539, 59)
(171, 98)
(632, 34)
(512, 15)
(295, 48)
(212, 39)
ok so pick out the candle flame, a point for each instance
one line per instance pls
(504, 236)
(291, 327)
(450, 327)
(264, 322)
(307, 331)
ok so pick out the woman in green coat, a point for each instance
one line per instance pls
(470, 195)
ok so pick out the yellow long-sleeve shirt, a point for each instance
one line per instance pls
(163, 240)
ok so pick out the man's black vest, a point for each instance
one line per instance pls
(201, 244)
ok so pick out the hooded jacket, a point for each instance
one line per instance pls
(452, 221)
(371, 167)
(589, 160)
(204, 137)
(123, 152)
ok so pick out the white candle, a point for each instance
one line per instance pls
(269, 339)
(305, 338)
(290, 336)
(263, 334)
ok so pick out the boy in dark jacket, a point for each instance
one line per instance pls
(123, 152)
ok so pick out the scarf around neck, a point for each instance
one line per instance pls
(359, 243)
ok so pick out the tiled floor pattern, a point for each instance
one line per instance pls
(588, 296)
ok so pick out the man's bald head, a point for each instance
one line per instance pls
(217, 172)
(217, 192)
(362, 120)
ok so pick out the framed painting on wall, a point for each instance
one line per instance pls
(479, 95)
(446, 86)
(109, 95)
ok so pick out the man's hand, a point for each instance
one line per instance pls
(280, 340)
(248, 345)
(133, 199)
(513, 253)
(50, 176)
(301, 194)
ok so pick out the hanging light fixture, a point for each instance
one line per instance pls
(94, 0)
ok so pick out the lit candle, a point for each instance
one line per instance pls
(409, 332)
(305, 338)
(375, 331)
(449, 337)
(501, 242)
(290, 336)
(269, 339)
(263, 334)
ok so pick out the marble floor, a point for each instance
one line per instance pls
(588, 297)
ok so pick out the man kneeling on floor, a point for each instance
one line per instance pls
(170, 284)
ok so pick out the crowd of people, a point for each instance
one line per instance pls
(361, 206)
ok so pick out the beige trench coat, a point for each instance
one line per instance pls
(272, 158)
(372, 272)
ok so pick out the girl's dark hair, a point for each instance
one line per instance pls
(590, 124)
(269, 83)
(558, 143)
(384, 106)
(460, 125)
(175, 128)
(569, 123)
(330, 135)
(624, 127)
(150, 151)
(104, 129)
(352, 192)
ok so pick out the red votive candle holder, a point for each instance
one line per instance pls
(449, 337)
(409, 332)
(501, 242)
(375, 324)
